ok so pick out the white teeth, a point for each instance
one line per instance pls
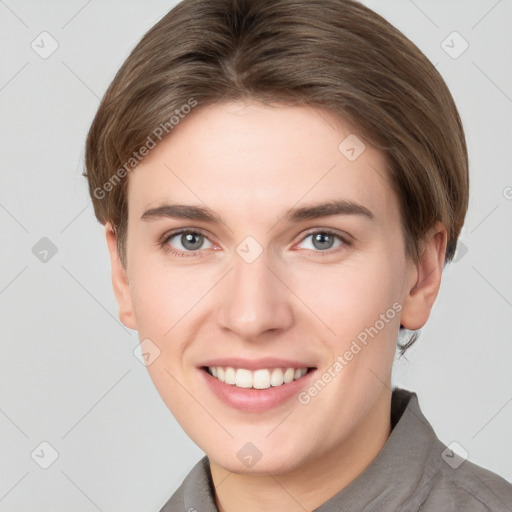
(230, 375)
(276, 377)
(243, 378)
(261, 379)
(258, 379)
(289, 374)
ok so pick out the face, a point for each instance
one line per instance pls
(261, 253)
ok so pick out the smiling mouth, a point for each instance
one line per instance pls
(258, 379)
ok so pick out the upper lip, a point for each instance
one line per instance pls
(255, 364)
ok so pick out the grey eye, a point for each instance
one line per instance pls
(188, 241)
(322, 241)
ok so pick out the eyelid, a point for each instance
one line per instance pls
(345, 240)
(178, 231)
(342, 235)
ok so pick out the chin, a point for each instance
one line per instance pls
(249, 460)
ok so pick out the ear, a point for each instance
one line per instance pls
(425, 279)
(120, 280)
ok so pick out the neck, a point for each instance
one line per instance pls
(311, 485)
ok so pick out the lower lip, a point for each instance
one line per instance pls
(255, 400)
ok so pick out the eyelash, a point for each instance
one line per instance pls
(164, 242)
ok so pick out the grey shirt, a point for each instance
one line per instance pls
(414, 471)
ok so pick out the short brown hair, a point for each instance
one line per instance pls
(333, 54)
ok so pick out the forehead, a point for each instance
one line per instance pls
(246, 158)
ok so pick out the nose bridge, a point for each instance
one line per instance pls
(254, 301)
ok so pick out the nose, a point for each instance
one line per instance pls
(254, 301)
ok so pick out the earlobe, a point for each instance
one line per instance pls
(425, 280)
(120, 282)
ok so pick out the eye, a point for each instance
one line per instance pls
(323, 241)
(187, 241)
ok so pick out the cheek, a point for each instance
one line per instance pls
(350, 297)
(165, 300)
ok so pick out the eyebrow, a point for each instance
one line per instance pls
(294, 215)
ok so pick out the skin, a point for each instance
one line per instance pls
(250, 163)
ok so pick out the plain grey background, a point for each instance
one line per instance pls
(68, 373)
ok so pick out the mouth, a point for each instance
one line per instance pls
(262, 378)
(256, 385)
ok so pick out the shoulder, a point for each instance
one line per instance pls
(456, 484)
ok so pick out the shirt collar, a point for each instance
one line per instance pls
(390, 479)
(394, 475)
